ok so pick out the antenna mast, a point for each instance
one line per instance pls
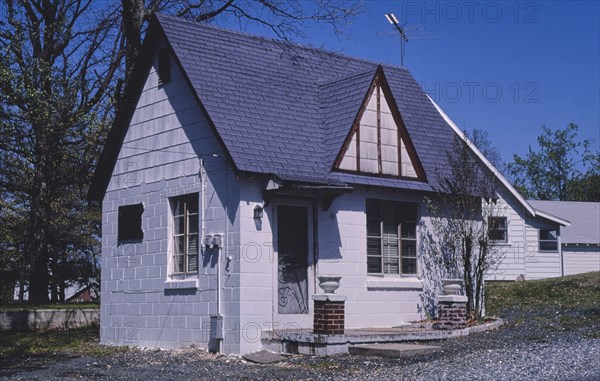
(403, 39)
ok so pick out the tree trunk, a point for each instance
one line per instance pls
(61, 293)
(38, 279)
(468, 278)
(36, 248)
(133, 18)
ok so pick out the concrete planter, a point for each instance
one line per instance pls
(329, 283)
(452, 286)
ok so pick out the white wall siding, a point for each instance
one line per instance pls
(578, 259)
(540, 264)
(515, 250)
(521, 254)
(141, 304)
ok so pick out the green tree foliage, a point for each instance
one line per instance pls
(562, 167)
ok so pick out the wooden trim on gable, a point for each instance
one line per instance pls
(380, 82)
(355, 127)
(379, 165)
(402, 131)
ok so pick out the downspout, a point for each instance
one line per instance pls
(202, 202)
(216, 320)
(222, 248)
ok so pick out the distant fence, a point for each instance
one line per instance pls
(44, 319)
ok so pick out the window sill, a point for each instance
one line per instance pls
(412, 283)
(179, 284)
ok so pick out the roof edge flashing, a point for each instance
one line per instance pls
(485, 161)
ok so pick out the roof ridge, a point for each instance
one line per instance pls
(565, 201)
(275, 40)
(342, 78)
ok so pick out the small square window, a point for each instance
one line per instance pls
(164, 66)
(130, 222)
(548, 240)
(498, 229)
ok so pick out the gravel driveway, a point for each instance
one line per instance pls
(533, 345)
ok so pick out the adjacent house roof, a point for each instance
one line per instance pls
(584, 218)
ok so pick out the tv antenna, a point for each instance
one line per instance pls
(400, 28)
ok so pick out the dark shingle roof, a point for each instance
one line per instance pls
(286, 109)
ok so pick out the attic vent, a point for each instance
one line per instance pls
(164, 66)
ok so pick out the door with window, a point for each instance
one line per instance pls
(294, 264)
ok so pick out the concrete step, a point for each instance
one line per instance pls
(392, 349)
(264, 357)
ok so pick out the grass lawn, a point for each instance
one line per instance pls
(570, 303)
(575, 291)
(580, 293)
(77, 341)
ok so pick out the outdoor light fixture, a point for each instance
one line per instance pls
(258, 211)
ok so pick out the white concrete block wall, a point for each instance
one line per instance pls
(141, 304)
(372, 301)
(257, 266)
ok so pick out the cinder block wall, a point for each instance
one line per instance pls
(160, 158)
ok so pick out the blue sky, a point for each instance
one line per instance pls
(504, 67)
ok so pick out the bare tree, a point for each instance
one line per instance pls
(284, 18)
(462, 216)
(62, 65)
(57, 68)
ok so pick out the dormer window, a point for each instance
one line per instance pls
(164, 66)
(378, 142)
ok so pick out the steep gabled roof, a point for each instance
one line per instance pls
(530, 209)
(285, 109)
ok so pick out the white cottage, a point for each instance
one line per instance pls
(240, 168)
